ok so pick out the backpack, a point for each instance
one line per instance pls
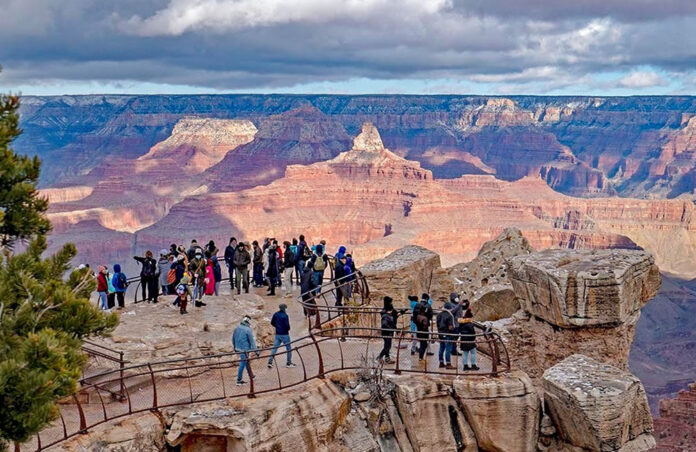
(171, 276)
(422, 320)
(319, 263)
(306, 253)
(121, 281)
(442, 325)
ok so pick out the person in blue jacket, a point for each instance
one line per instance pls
(244, 343)
(120, 284)
(281, 322)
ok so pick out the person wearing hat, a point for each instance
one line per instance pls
(281, 322)
(181, 299)
(148, 277)
(388, 325)
(163, 267)
(244, 343)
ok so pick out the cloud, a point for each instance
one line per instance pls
(641, 79)
(536, 46)
(182, 16)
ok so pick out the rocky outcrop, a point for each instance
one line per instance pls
(598, 407)
(407, 271)
(485, 281)
(503, 412)
(675, 429)
(585, 288)
(142, 432)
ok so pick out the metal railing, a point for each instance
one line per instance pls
(348, 345)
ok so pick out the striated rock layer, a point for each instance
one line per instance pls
(675, 429)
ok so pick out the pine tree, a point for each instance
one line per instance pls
(43, 314)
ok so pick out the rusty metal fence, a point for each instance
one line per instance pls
(342, 339)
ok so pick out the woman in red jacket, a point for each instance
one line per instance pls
(102, 288)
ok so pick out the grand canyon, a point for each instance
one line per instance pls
(379, 173)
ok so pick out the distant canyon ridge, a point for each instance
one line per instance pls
(126, 173)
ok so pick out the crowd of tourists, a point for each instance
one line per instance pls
(194, 272)
(454, 326)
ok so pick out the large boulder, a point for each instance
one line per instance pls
(432, 418)
(583, 288)
(597, 406)
(503, 411)
(411, 270)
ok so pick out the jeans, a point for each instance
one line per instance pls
(232, 270)
(243, 364)
(281, 339)
(318, 280)
(104, 303)
(446, 349)
(387, 347)
(217, 287)
(258, 274)
(300, 267)
(198, 291)
(466, 354)
(242, 279)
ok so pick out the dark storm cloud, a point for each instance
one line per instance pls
(245, 44)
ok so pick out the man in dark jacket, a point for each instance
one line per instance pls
(445, 326)
(388, 325)
(339, 279)
(229, 260)
(307, 287)
(258, 265)
(422, 316)
(281, 322)
(148, 276)
(272, 270)
(241, 261)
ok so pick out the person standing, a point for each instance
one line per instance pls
(229, 260)
(148, 277)
(120, 283)
(181, 299)
(388, 325)
(196, 269)
(319, 263)
(209, 275)
(307, 287)
(244, 343)
(242, 259)
(103, 288)
(288, 268)
(281, 322)
(272, 269)
(423, 315)
(303, 253)
(467, 335)
(258, 265)
(217, 274)
(163, 267)
(340, 278)
(447, 332)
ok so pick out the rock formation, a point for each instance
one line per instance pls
(598, 407)
(675, 429)
(585, 288)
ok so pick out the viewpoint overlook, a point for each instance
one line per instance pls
(567, 222)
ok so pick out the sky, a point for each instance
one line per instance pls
(543, 47)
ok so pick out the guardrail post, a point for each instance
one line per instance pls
(397, 370)
(496, 358)
(251, 394)
(321, 359)
(83, 421)
(121, 366)
(154, 388)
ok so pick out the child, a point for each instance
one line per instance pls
(181, 299)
